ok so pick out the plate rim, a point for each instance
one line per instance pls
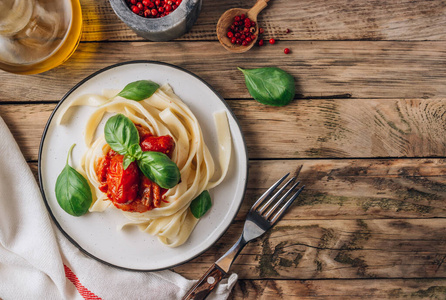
(45, 131)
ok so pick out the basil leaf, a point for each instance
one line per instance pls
(159, 168)
(127, 161)
(139, 90)
(120, 133)
(73, 191)
(200, 205)
(270, 86)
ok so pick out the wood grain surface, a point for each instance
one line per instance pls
(307, 20)
(367, 126)
(336, 249)
(357, 69)
(340, 289)
(328, 128)
(346, 189)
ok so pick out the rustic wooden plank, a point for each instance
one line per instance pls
(357, 189)
(304, 129)
(308, 20)
(354, 189)
(26, 123)
(343, 128)
(340, 289)
(342, 249)
(362, 69)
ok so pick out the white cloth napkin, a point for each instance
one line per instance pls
(38, 262)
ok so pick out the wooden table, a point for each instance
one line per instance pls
(368, 126)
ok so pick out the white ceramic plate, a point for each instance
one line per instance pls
(96, 234)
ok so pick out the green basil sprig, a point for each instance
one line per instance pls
(122, 136)
(200, 205)
(139, 90)
(270, 86)
(73, 191)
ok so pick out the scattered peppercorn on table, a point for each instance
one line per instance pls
(367, 125)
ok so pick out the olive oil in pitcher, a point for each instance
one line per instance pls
(38, 35)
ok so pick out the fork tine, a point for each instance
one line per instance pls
(285, 207)
(269, 192)
(276, 195)
(283, 198)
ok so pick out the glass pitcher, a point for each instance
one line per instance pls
(37, 35)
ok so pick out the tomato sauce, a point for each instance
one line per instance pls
(129, 189)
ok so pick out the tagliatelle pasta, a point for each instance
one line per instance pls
(164, 113)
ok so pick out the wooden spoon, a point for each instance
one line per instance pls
(227, 19)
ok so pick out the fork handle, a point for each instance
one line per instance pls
(206, 283)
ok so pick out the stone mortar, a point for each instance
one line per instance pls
(162, 29)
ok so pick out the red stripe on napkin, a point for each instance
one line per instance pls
(80, 288)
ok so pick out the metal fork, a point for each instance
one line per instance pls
(258, 221)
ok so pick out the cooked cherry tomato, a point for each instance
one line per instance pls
(123, 185)
(164, 144)
(101, 171)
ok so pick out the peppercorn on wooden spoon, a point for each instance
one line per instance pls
(227, 19)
